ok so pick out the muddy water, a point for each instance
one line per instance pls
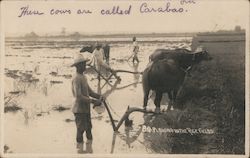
(38, 128)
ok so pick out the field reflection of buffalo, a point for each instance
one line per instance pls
(166, 72)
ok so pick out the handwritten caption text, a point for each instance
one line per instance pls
(143, 8)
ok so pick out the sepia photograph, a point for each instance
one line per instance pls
(124, 78)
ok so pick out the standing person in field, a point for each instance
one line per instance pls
(84, 97)
(106, 49)
(135, 50)
(99, 61)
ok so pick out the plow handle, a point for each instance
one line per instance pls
(110, 116)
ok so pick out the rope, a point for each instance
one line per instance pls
(126, 71)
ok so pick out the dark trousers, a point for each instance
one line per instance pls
(79, 135)
(135, 58)
(83, 123)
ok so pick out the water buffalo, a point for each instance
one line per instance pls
(89, 49)
(166, 73)
(166, 53)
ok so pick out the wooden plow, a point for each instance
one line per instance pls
(112, 74)
(125, 116)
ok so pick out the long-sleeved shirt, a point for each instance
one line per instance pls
(98, 57)
(99, 54)
(81, 92)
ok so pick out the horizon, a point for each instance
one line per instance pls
(54, 34)
(204, 16)
(101, 33)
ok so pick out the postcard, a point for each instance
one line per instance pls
(143, 78)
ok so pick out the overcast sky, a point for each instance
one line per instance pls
(204, 15)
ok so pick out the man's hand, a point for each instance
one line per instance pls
(102, 98)
(96, 102)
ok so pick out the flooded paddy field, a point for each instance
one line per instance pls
(38, 100)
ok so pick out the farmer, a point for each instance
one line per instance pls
(98, 55)
(82, 94)
(135, 50)
(106, 49)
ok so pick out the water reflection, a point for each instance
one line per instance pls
(130, 136)
(136, 76)
(113, 142)
(26, 118)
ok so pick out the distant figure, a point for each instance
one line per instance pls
(99, 62)
(135, 50)
(106, 49)
(81, 108)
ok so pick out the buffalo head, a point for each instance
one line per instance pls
(89, 49)
(200, 56)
